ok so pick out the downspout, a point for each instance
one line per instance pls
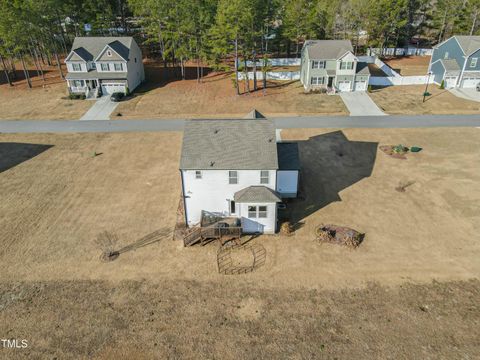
(183, 199)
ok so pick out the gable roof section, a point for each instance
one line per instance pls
(327, 49)
(362, 68)
(120, 49)
(256, 194)
(79, 54)
(450, 64)
(229, 145)
(90, 47)
(469, 44)
(288, 158)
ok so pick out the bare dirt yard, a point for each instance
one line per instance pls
(162, 96)
(310, 300)
(409, 65)
(45, 101)
(397, 100)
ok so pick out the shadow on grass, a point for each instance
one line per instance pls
(12, 154)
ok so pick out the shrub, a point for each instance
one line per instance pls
(369, 89)
(77, 96)
(442, 85)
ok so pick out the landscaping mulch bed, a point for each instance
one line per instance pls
(339, 235)
(389, 150)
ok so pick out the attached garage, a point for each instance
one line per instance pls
(469, 82)
(360, 86)
(450, 81)
(109, 88)
(344, 85)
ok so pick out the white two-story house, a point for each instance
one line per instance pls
(104, 65)
(331, 65)
(234, 168)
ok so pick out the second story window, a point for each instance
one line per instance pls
(346, 65)
(76, 67)
(264, 177)
(446, 55)
(318, 64)
(198, 174)
(233, 177)
(473, 62)
(105, 67)
(118, 67)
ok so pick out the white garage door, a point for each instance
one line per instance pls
(110, 88)
(344, 85)
(450, 81)
(470, 82)
(360, 85)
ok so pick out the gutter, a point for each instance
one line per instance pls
(183, 199)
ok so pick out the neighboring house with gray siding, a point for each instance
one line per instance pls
(331, 64)
(104, 65)
(236, 169)
(456, 62)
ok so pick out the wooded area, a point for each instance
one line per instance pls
(213, 31)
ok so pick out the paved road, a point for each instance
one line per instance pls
(101, 109)
(401, 121)
(359, 103)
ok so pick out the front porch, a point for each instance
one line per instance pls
(89, 87)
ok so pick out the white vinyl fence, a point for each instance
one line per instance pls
(274, 62)
(273, 75)
(399, 80)
(399, 52)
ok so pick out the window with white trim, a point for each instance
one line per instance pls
(94, 66)
(78, 83)
(346, 65)
(198, 174)
(76, 67)
(262, 212)
(446, 55)
(252, 212)
(473, 62)
(317, 80)
(118, 67)
(233, 177)
(105, 67)
(318, 64)
(264, 177)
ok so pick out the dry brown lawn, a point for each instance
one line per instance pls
(409, 65)
(45, 101)
(162, 97)
(408, 100)
(310, 300)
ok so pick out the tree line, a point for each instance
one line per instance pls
(215, 32)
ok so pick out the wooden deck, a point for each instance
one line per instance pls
(204, 234)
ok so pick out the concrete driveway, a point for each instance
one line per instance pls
(359, 103)
(101, 109)
(468, 94)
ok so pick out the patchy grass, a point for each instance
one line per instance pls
(165, 97)
(397, 100)
(409, 65)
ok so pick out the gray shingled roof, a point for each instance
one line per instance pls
(362, 68)
(450, 64)
(327, 49)
(89, 47)
(288, 158)
(93, 74)
(256, 194)
(469, 44)
(229, 145)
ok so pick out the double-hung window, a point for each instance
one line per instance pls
(317, 80)
(318, 64)
(473, 62)
(233, 177)
(76, 67)
(105, 67)
(346, 65)
(264, 177)
(259, 212)
(118, 67)
(198, 174)
(262, 212)
(252, 212)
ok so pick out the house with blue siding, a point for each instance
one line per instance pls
(456, 62)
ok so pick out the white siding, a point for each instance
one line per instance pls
(136, 74)
(287, 182)
(213, 192)
(263, 225)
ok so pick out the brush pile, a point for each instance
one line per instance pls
(340, 235)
